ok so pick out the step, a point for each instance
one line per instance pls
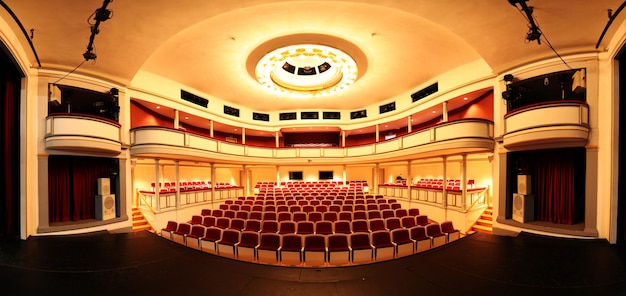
(481, 228)
(484, 222)
(488, 216)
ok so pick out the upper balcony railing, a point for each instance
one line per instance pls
(467, 135)
(545, 125)
(81, 132)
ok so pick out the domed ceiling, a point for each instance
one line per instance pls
(215, 46)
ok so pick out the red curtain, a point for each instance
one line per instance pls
(558, 178)
(9, 172)
(72, 186)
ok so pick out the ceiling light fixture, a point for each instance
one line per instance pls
(306, 70)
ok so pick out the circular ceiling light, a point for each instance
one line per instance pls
(306, 70)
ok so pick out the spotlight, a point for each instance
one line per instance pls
(102, 14)
(89, 55)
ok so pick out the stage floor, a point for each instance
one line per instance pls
(146, 264)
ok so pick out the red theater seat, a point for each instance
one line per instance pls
(169, 229)
(361, 248)
(392, 223)
(305, 227)
(324, 227)
(408, 222)
(209, 242)
(342, 226)
(287, 227)
(360, 226)
(338, 250)
(246, 248)
(269, 226)
(181, 233)
(422, 241)
(377, 225)
(405, 246)
(291, 250)
(448, 230)
(237, 224)
(268, 249)
(433, 230)
(384, 248)
(193, 238)
(314, 251)
(253, 225)
(226, 245)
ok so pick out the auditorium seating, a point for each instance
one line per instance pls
(209, 242)
(448, 230)
(181, 233)
(422, 241)
(384, 248)
(433, 230)
(268, 248)
(320, 230)
(361, 248)
(314, 250)
(169, 229)
(226, 245)
(405, 246)
(193, 238)
(291, 249)
(339, 252)
(246, 247)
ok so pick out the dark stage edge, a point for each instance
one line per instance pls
(146, 264)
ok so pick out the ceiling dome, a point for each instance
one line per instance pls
(306, 70)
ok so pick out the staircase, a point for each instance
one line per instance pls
(139, 222)
(484, 223)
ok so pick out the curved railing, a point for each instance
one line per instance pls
(468, 135)
(548, 125)
(81, 132)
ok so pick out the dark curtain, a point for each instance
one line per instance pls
(9, 164)
(59, 188)
(558, 178)
(72, 186)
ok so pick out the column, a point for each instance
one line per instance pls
(176, 120)
(245, 182)
(345, 181)
(212, 182)
(211, 129)
(277, 175)
(445, 182)
(377, 133)
(464, 181)
(376, 177)
(157, 187)
(277, 140)
(343, 138)
(176, 176)
(409, 180)
(445, 111)
(243, 135)
(409, 124)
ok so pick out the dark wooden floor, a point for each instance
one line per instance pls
(145, 264)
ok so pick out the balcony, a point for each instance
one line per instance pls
(82, 133)
(462, 136)
(556, 124)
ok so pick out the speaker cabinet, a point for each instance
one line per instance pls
(105, 206)
(523, 184)
(104, 186)
(523, 207)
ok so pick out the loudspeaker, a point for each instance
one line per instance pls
(523, 184)
(105, 206)
(104, 186)
(523, 207)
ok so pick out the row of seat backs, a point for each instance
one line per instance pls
(300, 215)
(303, 227)
(304, 206)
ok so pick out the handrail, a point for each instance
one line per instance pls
(145, 201)
(476, 201)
